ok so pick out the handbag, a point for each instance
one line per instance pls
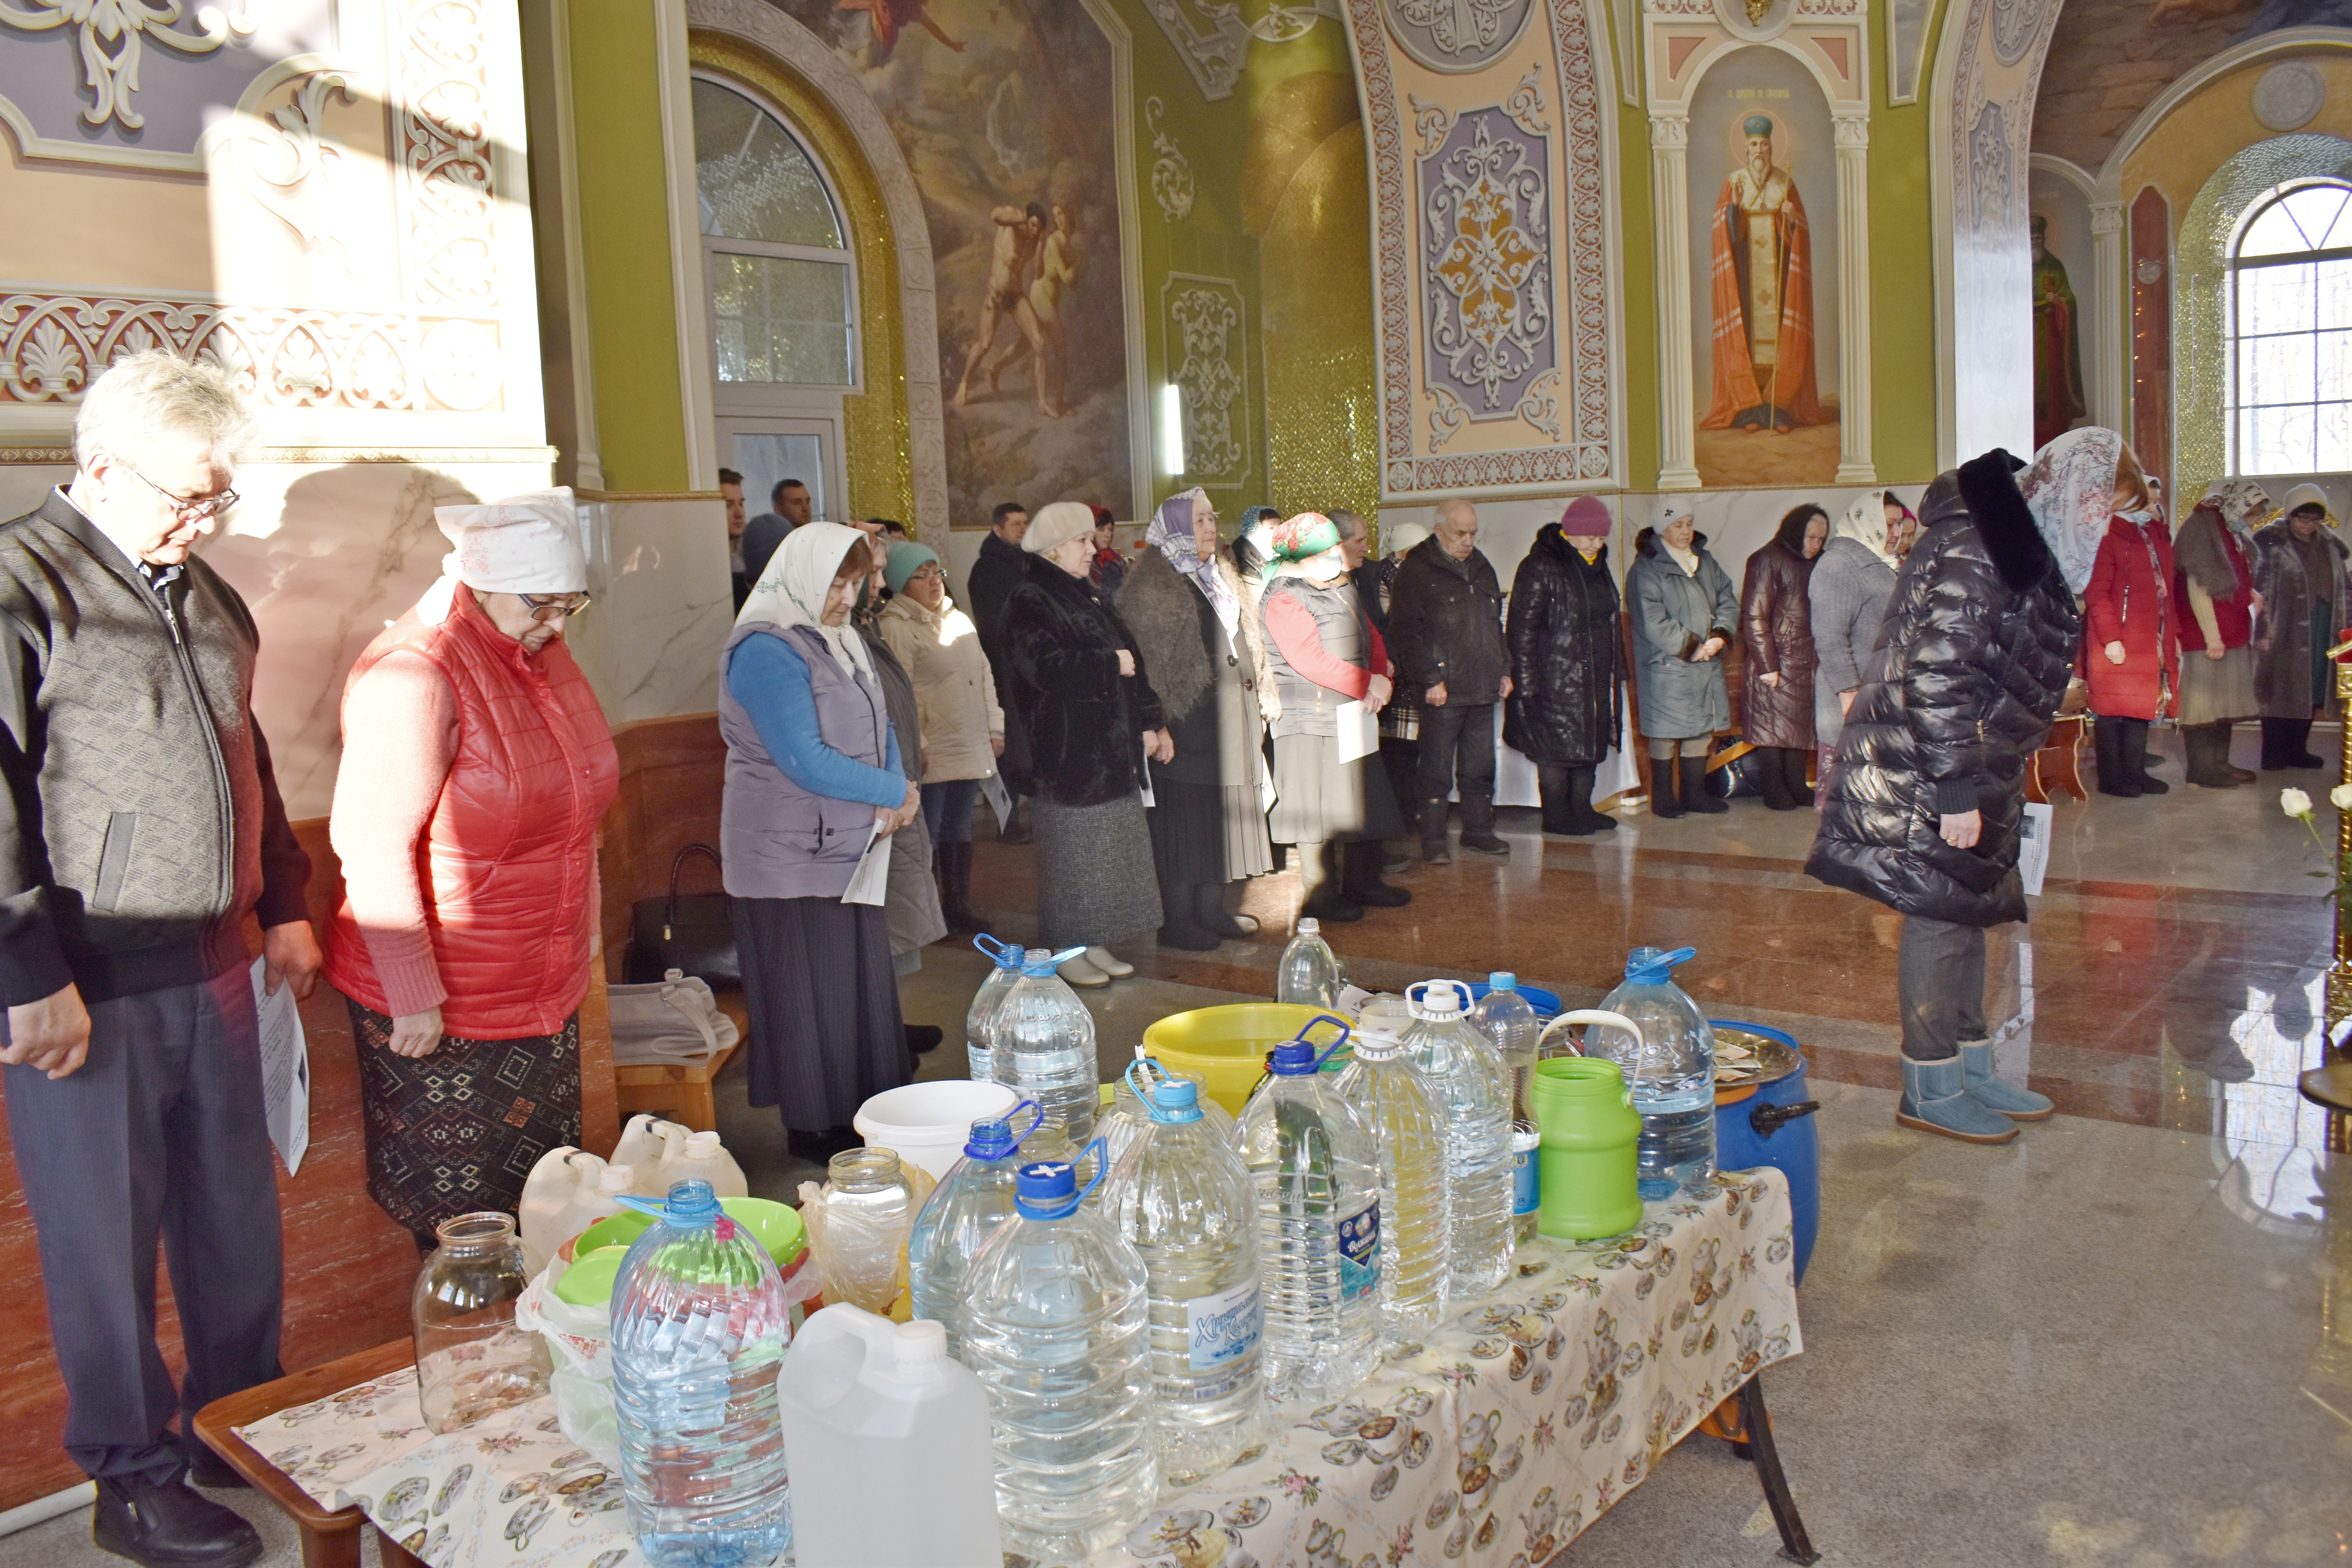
(694, 934)
(675, 1019)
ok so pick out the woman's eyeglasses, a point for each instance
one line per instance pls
(549, 611)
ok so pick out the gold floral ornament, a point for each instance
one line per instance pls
(113, 38)
(1484, 267)
(1756, 11)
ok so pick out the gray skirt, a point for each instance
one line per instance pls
(2216, 692)
(1320, 798)
(1096, 886)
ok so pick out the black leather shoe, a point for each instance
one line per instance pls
(1485, 844)
(166, 1525)
(207, 1468)
(921, 1038)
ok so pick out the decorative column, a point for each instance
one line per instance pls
(1669, 188)
(1856, 465)
(2110, 291)
(2339, 973)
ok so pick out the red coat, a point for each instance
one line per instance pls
(508, 857)
(2130, 601)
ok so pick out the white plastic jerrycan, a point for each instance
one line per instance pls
(867, 1405)
(646, 1141)
(562, 1175)
(698, 1157)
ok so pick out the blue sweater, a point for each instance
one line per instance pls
(769, 678)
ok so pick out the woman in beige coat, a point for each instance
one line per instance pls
(964, 728)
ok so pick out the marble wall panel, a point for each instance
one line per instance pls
(657, 566)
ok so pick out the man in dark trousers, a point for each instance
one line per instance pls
(1001, 567)
(140, 826)
(1445, 633)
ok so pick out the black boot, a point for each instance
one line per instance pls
(1361, 877)
(1567, 799)
(2275, 751)
(1552, 789)
(1434, 850)
(167, 1525)
(2209, 756)
(2114, 777)
(1179, 927)
(1324, 901)
(1774, 776)
(2299, 752)
(955, 888)
(1478, 827)
(1695, 796)
(1797, 758)
(1212, 916)
(1665, 797)
(2134, 758)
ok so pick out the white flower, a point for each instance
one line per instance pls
(2294, 802)
(2340, 797)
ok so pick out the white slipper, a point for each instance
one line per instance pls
(1078, 971)
(1109, 963)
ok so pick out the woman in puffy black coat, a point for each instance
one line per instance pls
(1924, 808)
(1567, 694)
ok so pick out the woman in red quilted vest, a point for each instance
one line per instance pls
(467, 827)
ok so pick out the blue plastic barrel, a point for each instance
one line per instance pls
(1755, 1129)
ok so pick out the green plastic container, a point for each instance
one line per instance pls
(1592, 1136)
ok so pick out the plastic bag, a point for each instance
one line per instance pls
(582, 1339)
(862, 1262)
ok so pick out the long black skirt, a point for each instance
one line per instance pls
(826, 1035)
(458, 1131)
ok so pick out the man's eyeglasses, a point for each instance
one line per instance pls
(186, 509)
(549, 611)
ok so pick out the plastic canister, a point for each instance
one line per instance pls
(1590, 1136)
(868, 1404)
(929, 1122)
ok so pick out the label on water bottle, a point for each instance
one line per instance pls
(1360, 1253)
(1524, 1188)
(1224, 1327)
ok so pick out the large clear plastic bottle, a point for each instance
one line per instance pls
(1669, 1071)
(1504, 1017)
(1466, 1073)
(963, 1211)
(1128, 1115)
(1308, 974)
(699, 1326)
(1057, 1324)
(1182, 1198)
(1316, 1174)
(1044, 1046)
(1393, 1098)
(986, 1001)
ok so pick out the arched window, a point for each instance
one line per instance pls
(2291, 298)
(782, 292)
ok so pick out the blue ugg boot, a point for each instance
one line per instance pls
(1936, 1098)
(2016, 1104)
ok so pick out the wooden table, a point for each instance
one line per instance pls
(2059, 761)
(329, 1538)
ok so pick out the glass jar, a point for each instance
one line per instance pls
(860, 1232)
(471, 1360)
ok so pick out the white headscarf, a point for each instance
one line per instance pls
(791, 590)
(1864, 522)
(2071, 490)
(1170, 534)
(523, 544)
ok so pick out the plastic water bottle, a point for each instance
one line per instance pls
(1316, 1173)
(1504, 1017)
(1467, 1076)
(1669, 1071)
(1393, 1098)
(699, 1325)
(1182, 1199)
(1057, 1324)
(1128, 1115)
(1308, 974)
(1044, 1046)
(963, 1211)
(986, 1001)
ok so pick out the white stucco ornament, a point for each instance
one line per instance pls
(2289, 95)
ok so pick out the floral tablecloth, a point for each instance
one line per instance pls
(1519, 1423)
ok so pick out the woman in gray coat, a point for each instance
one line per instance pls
(1685, 613)
(2302, 573)
(1851, 585)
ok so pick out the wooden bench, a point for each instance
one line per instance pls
(680, 1090)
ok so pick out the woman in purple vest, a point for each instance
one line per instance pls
(813, 773)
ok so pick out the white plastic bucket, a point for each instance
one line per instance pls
(929, 1123)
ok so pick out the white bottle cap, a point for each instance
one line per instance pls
(701, 1146)
(1309, 927)
(922, 1342)
(617, 1179)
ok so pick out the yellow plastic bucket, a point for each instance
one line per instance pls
(1226, 1047)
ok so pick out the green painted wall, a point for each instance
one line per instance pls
(625, 245)
(1902, 273)
(1637, 291)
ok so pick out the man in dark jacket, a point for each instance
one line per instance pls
(1925, 809)
(1445, 633)
(143, 825)
(790, 505)
(1001, 567)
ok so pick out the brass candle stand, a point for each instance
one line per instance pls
(2339, 973)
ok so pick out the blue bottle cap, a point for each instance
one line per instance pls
(1297, 1058)
(1176, 1099)
(992, 1138)
(1039, 963)
(690, 1204)
(1655, 965)
(1007, 954)
(1049, 1189)
(1502, 980)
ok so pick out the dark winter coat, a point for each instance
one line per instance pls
(1083, 721)
(1568, 692)
(2130, 601)
(998, 570)
(1980, 642)
(1673, 613)
(1776, 634)
(1207, 685)
(2283, 650)
(1446, 626)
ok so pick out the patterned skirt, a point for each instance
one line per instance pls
(458, 1131)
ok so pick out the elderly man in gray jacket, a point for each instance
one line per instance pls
(1445, 633)
(140, 826)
